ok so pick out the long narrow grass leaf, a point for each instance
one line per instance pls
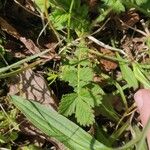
(140, 76)
(143, 136)
(56, 125)
(14, 65)
(128, 74)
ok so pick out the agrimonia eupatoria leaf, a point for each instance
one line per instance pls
(68, 104)
(76, 77)
(69, 74)
(78, 73)
(59, 19)
(55, 125)
(84, 113)
(81, 104)
(115, 5)
(78, 19)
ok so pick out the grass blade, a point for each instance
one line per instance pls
(140, 76)
(17, 64)
(128, 74)
(55, 125)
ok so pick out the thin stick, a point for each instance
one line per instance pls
(98, 30)
(107, 57)
(69, 20)
(27, 9)
(50, 23)
(106, 46)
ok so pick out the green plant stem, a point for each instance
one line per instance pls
(101, 17)
(17, 64)
(78, 73)
(69, 20)
(107, 57)
(143, 136)
(49, 22)
(4, 59)
(12, 73)
(128, 112)
(5, 113)
(124, 101)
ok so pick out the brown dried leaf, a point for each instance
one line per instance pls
(127, 19)
(28, 43)
(31, 85)
(135, 47)
(107, 65)
(5, 26)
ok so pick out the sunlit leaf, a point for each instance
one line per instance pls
(140, 76)
(128, 75)
(81, 104)
(115, 5)
(42, 5)
(55, 125)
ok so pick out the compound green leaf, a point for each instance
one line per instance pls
(84, 113)
(81, 104)
(59, 19)
(79, 74)
(115, 5)
(91, 96)
(69, 74)
(68, 104)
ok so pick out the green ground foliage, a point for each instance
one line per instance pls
(92, 54)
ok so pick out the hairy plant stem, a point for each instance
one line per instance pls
(69, 20)
(78, 87)
(17, 64)
(24, 68)
(107, 57)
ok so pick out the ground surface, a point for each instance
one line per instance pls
(97, 46)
